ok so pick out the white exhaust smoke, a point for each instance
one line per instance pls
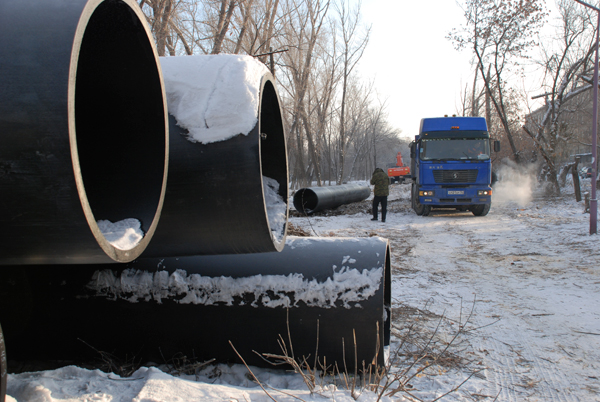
(515, 183)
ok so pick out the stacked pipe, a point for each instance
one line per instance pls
(84, 131)
(329, 296)
(87, 141)
(228, 178)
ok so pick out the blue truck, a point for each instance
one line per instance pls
(451, 165)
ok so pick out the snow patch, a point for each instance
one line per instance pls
(214, 97)
(346, 286)
(124, 235)
(276, 208)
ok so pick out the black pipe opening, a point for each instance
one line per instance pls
(273, 160)
(83, 127)
(119, 118)
(305, 200)
(387, 298)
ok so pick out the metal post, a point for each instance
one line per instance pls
(594, 200)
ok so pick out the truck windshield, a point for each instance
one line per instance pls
(455, 148)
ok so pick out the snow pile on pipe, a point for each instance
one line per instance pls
(124, 235)
(214, 97)
(348, 286)
(276, 208)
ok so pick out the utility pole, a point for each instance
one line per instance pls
(594, 200)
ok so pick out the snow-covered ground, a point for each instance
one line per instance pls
(510, 300)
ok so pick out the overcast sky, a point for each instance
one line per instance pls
(415, 68)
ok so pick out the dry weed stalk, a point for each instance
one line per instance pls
(251, 373)
(431, 352)
(181, 364)
(419, 352)
(302, 367)
(113, 364)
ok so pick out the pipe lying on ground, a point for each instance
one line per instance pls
(228, 176)
(329, 292)
(314, 199)
(83, 132)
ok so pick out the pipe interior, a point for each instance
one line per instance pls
(387, 298)
(119, 117)
(305, 200)
(273, 153)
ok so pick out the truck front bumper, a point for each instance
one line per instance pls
(455, 196)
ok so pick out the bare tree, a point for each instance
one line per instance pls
(499, 32)
(225, 15)
(246, 11)
(304, 25)
(564, 67)
(352, 45)
(160, 14)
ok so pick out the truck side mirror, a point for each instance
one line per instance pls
(496, 146)
(412, 150)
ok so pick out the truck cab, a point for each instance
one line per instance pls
(451, 165)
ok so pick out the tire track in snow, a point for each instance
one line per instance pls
(528, 268)
(519, 370)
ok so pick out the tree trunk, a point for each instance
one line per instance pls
(223, 26)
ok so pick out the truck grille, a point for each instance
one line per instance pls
(455, 176)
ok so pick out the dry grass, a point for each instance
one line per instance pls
(426, 345)
(109, 363)
(296, 231)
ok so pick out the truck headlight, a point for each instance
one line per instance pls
(484, 192)
(426, 193)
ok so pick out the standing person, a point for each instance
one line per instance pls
(381, 181)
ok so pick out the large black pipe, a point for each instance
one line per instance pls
(83, 130)
(314, 199)
(3, 367)
(218, 200)
(335, 291)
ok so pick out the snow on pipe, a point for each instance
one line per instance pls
(84, 132)
(314, 199)
(335, 290)
(227, 191)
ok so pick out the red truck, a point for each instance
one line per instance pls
(399, 173)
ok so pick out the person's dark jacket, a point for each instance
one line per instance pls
(381, 181)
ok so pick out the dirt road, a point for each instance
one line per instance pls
(530, 275)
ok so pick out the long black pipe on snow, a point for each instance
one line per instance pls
(84, 131)
(314, 199)
(328, 292)
(228, 175)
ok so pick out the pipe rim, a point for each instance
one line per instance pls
(118, 255)
(305, 200)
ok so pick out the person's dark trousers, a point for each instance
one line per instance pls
(383, 201)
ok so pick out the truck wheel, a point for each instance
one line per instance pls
(3, 367)
(419, 208)
(481, 210)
